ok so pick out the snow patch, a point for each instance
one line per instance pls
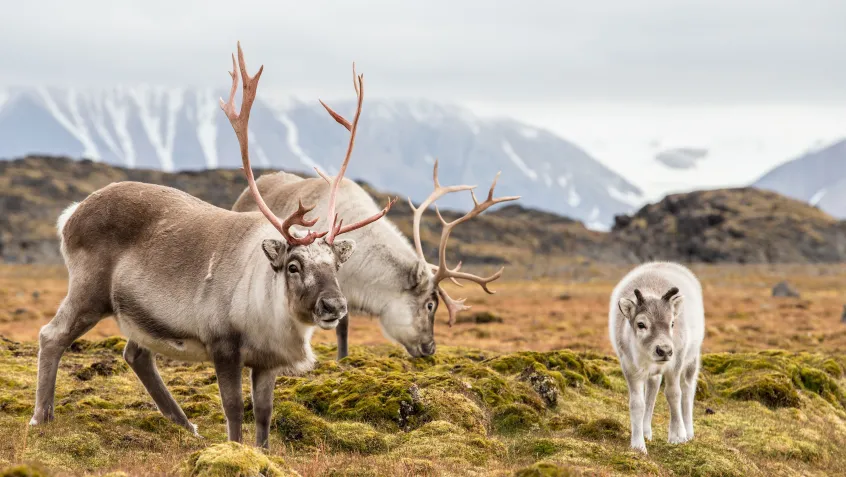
(119, 116)
(152, 124)
(573, 198)
(74, 124)
(518, 161)
(428, 159)
(630, 198)
(99, 120)
(207, 111)
(293, 140)
(547, 179)
(383, 111)
(563, 181)
(263, 160)
(816, 198)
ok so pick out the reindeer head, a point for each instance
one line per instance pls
(413, 318)
(652, 320)
(308, 264)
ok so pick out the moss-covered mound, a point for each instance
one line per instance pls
(233, 460)
(460, 412)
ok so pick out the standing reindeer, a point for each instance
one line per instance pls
(195, 282)
(386, 277)
(656, 335)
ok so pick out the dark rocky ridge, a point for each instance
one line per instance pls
(730, 225)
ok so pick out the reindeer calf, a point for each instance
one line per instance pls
(656, 324)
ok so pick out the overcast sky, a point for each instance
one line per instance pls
(657, 64)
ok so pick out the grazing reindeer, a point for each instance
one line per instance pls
(192, 281)
(386, 277)
(658, 334)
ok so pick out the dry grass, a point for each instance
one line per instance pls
(547, 314)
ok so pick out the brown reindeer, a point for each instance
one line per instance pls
(195, 282)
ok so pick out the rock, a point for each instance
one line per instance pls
(709, 411)
(565, 297)
(36, 295)
(843, 316)
(784, 289)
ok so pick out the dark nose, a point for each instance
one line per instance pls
(336, 306)
(664, 351)
(428, 349)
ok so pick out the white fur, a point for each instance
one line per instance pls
(642, 373)
(60, 225)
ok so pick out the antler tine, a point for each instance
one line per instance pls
(436, 194)
(443, 272)
(337, 227)
(298, 218)
(240, 123)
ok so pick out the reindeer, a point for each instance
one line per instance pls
(650, 346)
(195, 282)
(387, 277)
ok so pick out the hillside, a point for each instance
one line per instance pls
(174, 129)
(744, 225)
(818, 177)
(731, 225)
(34, 191)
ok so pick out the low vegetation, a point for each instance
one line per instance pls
(462, 412)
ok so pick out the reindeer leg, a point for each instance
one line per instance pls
(263, 381)
(341, 333)
(143, 363)
(72, 320)
(227, 366)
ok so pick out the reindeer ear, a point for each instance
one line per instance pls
(275, 251)
(417, 275)
(628, 308)
(343, 249)
(676, 303)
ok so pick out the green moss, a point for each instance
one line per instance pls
(231, 459)
(511, 418)
(23, 471)
(369, 395)
(356, 437)
(455, 408)
(297, 425)
(771, 389)
(571, 366)
(446, 442)
(775, 378)
(546, 469)
(601, 429)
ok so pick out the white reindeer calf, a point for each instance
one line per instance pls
(656, 325)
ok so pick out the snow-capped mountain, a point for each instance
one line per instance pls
(818, 177)
(397, 143)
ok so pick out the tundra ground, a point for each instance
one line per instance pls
(524, 384)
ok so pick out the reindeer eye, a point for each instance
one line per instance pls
(293, 268)
(430, 306)
(641, 325)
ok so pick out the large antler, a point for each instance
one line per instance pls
(441, 270)
(337, 228)
(240, 123)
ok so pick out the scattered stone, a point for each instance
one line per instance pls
(709, 411)
(20, 311)
(784, 289)
(36, 294)
(106, 367)
(565, 297)
(542, 384)
(843, 316)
